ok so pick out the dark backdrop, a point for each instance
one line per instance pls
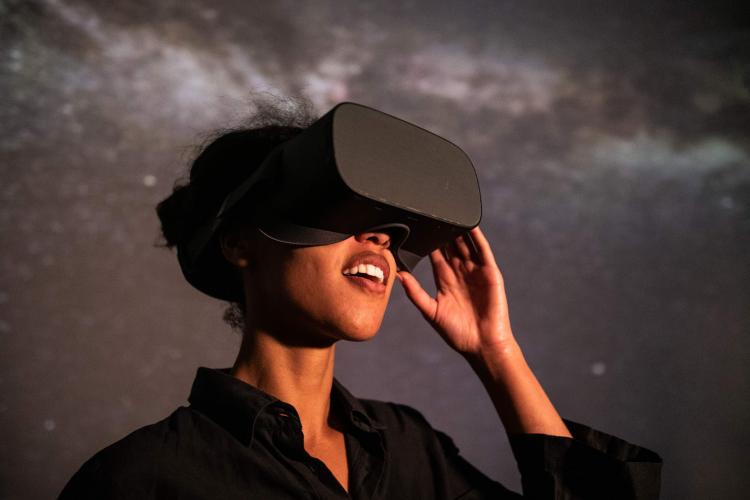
(612, 149)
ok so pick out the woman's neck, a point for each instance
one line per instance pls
(299, 375)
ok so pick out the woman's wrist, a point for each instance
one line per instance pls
(516, 394)
(495, 360)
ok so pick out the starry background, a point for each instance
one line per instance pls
(613, 155)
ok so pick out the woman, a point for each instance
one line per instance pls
(278, 425)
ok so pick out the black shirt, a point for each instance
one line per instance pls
(235, 441)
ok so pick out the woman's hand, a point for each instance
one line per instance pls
(470, 310)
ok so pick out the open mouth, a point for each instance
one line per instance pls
(367, 282)
(368, 270)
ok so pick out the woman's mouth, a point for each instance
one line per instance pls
(370, 284)
(369, 271)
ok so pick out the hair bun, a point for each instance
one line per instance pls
(176, 215)
(220, 167)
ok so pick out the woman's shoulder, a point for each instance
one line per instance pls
(150, 438)
(391, 412)
(395, 417)
(398, 418)
(131, 459)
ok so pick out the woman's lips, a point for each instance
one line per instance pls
(367, 284)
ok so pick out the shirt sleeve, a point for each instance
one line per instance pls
(591, 465)
(466, 482)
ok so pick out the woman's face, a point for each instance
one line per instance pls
(304, 292)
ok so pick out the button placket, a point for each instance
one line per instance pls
(287, 433)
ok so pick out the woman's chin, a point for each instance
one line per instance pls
(358, 332)
(360, 336)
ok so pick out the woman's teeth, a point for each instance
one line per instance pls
(367, 269)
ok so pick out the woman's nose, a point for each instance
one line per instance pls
(379, 238)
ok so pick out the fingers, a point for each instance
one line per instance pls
(441, 268)
(459, 256)
(461, 253)
(419, 297)
(465, 247)
(483, 247)
(439, 257)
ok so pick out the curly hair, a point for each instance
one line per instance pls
(224, 159)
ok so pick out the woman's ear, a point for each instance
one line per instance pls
(236, 246)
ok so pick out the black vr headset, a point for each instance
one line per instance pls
(355, 169)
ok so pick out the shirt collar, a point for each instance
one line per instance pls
(353, 408)
(236, 405)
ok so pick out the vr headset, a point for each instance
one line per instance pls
(355, 169)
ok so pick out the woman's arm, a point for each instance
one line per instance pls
(470, 312)
(519, 399)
